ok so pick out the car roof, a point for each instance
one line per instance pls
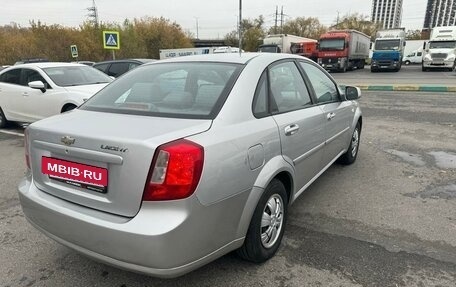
(138, 60)
(235, 58)
(46, 65)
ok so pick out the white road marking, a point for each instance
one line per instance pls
(11, 133)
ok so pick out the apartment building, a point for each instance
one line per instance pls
(440, 13)
(387, 12)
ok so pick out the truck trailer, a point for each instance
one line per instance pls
(281, 43)
(342, 50)
(439, 52)
(172, 53)
(388, 50)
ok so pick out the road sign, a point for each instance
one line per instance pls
(74, 51)
(111, 40)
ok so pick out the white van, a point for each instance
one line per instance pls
(414, 57)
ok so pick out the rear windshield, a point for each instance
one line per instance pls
(67, 76)
(184, 90)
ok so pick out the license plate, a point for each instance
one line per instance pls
(76, 174)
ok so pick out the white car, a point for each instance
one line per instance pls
(30, 92)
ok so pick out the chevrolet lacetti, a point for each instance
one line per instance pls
(181, 161)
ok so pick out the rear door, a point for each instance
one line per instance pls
(10, 93)
(301, 123)
(338, 113)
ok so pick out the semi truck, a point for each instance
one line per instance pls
(439, 52)
(388, 50)
(306, 49)
(172, 53)
(342, 50)
(281, 43)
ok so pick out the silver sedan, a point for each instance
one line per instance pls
(181, 161)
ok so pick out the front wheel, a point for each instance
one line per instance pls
(407, 62)
(350, 156)
(3, 121)
(267, 225)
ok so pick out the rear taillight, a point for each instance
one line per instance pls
(27, 151)
(175, 171)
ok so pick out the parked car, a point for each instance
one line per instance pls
(181, 161)
(30, 92)
(87, 63)
(116, 68)
(31, 60)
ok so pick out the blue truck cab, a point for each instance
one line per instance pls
(388, 50)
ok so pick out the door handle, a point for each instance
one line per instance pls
(25, 94)
(330, 116)
(291, 129)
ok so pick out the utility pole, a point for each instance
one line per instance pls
(197, 28)
(240, 27)
(337, 22)
(93, 14)
(281, 20)
(275, 21)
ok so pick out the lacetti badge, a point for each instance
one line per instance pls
(67, 140)
(113, 148)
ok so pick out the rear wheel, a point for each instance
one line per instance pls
(68, 107)
(3, 121)
(350, 156)
(267, 225)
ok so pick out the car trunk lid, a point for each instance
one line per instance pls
(117, 148)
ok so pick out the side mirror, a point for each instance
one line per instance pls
(37, 85)
(352, 93)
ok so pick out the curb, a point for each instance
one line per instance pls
(408, 88)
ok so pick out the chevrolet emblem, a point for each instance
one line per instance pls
(67, 140)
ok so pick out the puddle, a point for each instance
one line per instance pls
(444, 159)
(438, 192)
(415, 159)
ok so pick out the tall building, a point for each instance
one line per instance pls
(388, 12)
(440, 13)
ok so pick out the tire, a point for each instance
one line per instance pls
(373, 70)
(352, 153)
(68, 107)
(423, 69)
(261, 243)
(344, 69)
(3, 121)
(407, 63)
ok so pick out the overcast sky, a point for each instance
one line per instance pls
(215, 18)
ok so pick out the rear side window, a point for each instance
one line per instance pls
(101, 67)
(288, 89)
(11, 77)
(183, 90)
(118, 69)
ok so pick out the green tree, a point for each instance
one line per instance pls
(358, 22)
(305, 27)
(253, 33)
(414, 35)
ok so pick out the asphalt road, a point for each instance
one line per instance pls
(387, 220)
(408, 75)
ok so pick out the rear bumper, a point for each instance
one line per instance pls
(165, 239)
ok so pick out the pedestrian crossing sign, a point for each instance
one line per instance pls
(111, 40)
(74, 51)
